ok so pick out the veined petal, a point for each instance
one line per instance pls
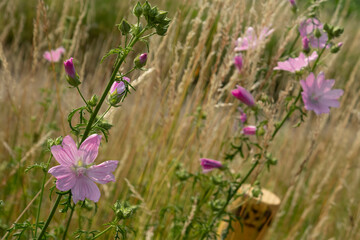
(102, 173)
(70, 147)
(85, 188)
(66, 178)
(89, 148)
(62, 156)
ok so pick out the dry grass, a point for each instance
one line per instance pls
(157, 128)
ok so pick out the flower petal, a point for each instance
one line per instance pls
(85, 188)
(102, 173)
(89, 148)
(66, 178)
(62, 156)
(70, 147)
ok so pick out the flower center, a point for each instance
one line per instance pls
(79, 168)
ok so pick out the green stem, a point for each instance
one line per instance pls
(318, 59)
(41, 196)
(149, 35)
(83, 99)
(218, 215)
(293, 43)
(288, 115)
(101, 233)
(102, 116)
(107, 89)
(68, 222)
(53, 210)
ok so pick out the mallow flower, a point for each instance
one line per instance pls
(249, 130)
(209, 164)
(71, 76)
(309, 28)
(238, 62)
(54, 55)
(317, 94)
(250, 40)
(77, 171)
(296, 64)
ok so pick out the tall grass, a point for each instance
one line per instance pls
(180, 112)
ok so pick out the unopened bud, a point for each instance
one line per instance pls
(146, 7)
(238, 62)
(317, 33)
(138, 10)
(72, 77)
(338, 31)
(293, 3)
(117, 91)
(124, 27)
(93, 101)
(140, 60)
(305, 43)
(161, 16)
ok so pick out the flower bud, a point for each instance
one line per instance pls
(124, 27)
(116, 91)
(317, 33)
(209, 164)
(161, 30)
(138, 10)
(140, 60)
(238, 62)
(338, 31)
(243, 95)
(72, 77)
(305, 43)
(93, 101)
(249, 130)
(243, 117)
(293, 3)
(161, 16)
(335, 49)
(146, 8)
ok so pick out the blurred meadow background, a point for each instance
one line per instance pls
(182, 110)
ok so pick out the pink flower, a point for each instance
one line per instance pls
(243, 117)
(249, 130)
(77, 171)
(243, 95)
(251, 40)
(317, 94)
(238, 62)
(308, 28)
(54, 55)
(296, 64)
(209, 164)
(305, 43)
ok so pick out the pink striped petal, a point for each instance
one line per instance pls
(85, 188)
(66, 178)
(89, 148)
(102, 173)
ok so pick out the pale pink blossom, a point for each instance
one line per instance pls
(296, 64)
(251, 40)
(317, 94)
(69, 68)
(77, 171)
(249, 130)
(243, 95)
(308, 28)
(54, 55)
(118, 88)
(209, 164)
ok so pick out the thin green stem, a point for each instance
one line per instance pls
(230, 196)
(83, 98)
(107, 89)
(147, 36)
(101, 233)
(293, 43)
(41, 196)
(318, 59)
(102, 116)
(68, 222)
(53, 210)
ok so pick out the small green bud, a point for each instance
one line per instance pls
(105, 125)
(123, 210)
(73, 81)
(50, 142)
(153, 12)
(58, 140)
(124, 27)
(146, 7)
(93, 101)
(160, 30)
(136, 29)
(165, 22)
(161, 16)
(338, 31)
(138, 10)
(327, 27)
(317, 33)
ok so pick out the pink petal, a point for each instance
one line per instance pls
(85, 188)
(65, 177)
(102, 173)
(89, 148)
(70, 147)
(47, 56)
(333, 94)
(62, 156)
(60, 50)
